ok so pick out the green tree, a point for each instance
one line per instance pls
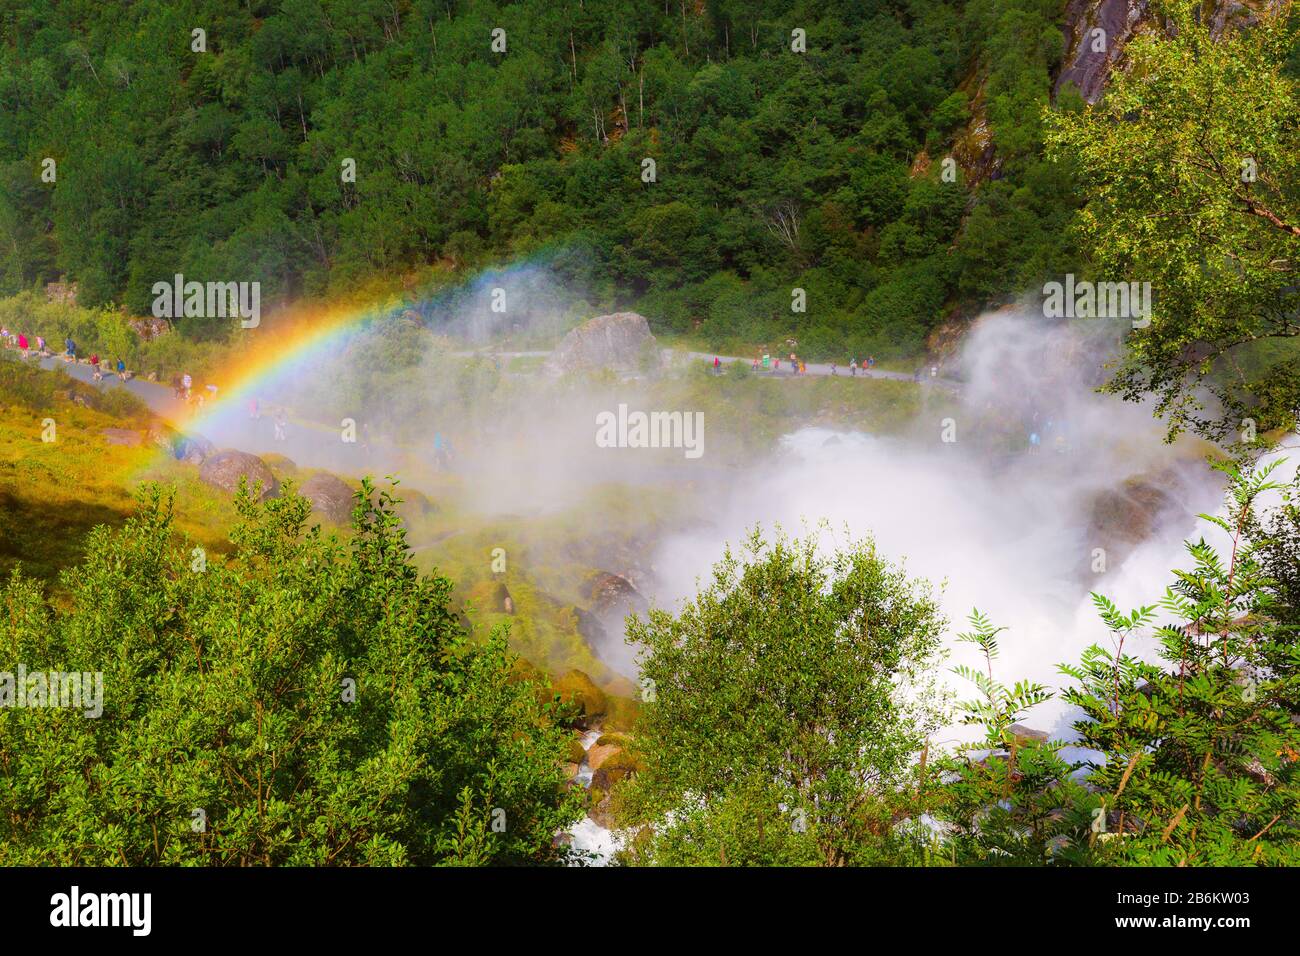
(785, 707)
(1188, 167)
(299, 701)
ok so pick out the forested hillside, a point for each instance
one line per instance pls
(782, 159)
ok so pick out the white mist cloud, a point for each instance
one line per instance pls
(1005, 530)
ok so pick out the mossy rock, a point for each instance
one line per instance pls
(576, 753)
(623, 761)
(620, 714)
(616, 739)
(616, 768)
(577, 689)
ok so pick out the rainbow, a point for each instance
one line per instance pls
(292, 346)
(298, 341)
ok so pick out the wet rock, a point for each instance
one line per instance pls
(620, 341)
(614, 769)
(599, 753)
(578, 689)
(601, 810)
(1126, 516)
(612, 594)
(330, 497)
(1087, 64)
(224, 469)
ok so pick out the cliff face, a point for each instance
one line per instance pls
(1089, 56)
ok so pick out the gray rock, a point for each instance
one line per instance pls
(620, 341)
(330, 497)
(224, 469)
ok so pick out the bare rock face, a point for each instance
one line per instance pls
(619, 341)
(1089, 55)
(224, 469)
(330, 497)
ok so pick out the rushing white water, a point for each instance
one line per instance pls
(588, 835)
(1008, 527)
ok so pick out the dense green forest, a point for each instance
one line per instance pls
(773, 169)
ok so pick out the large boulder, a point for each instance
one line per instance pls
(619, 341)
(224, 469)
(330, 497)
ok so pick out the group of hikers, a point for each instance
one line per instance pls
(19, 341)
(183, 390)
(182, 385)
(766, 362)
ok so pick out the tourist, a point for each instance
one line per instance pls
(853, 367)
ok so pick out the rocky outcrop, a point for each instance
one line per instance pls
(330, 497)
(580, 691)
(1095, 34)
(613, 594)
(621, 341)
(224, 469)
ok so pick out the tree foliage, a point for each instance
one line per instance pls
(298, 701)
